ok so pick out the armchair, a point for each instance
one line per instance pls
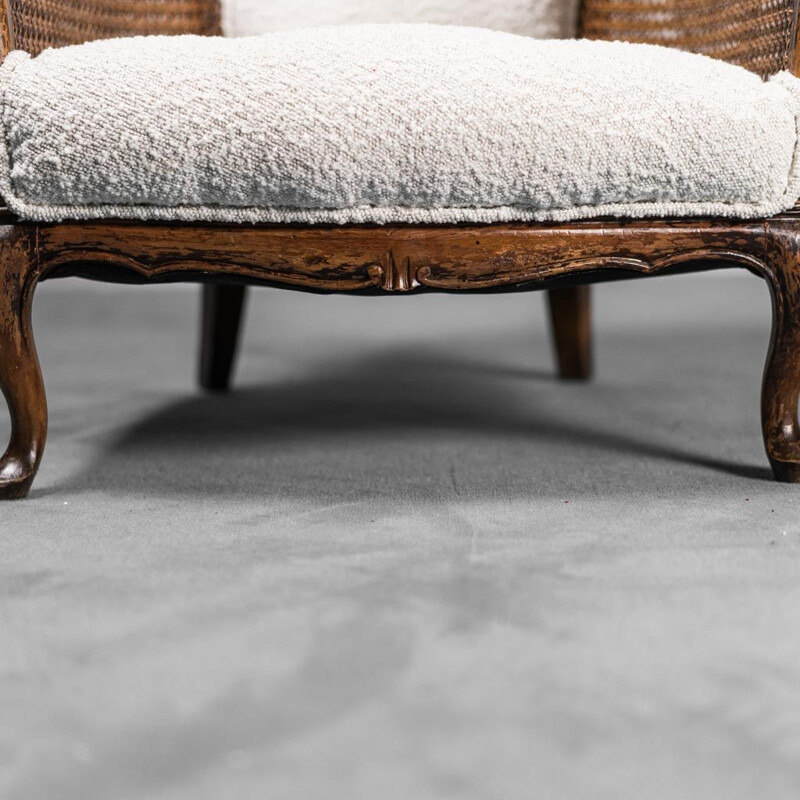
(562, 257)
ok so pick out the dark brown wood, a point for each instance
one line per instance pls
(793, 48)
(396, 260)
(781, 390)
(571, 323)
(6, 39)
(219, 334)
(759, 34)
(20, 376)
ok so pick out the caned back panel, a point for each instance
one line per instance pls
(33, 25)
(757, 34)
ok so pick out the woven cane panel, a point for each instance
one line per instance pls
(756, 34)
(37, 24)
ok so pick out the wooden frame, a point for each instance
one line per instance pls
(395, 259)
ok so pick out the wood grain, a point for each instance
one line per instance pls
(759, 34)
(781, 389)
(20, 375)
(394, 260)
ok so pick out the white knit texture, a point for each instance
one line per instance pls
(391, 123)
(544, 19)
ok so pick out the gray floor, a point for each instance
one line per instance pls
(401, 561)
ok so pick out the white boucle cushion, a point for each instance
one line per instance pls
(545, 19)
(391, 123)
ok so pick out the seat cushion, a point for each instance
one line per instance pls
(541, 18)
(391, 123)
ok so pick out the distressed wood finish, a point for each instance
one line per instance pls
(760, 34)
(20, 376)
(394, 260)
(781, 390)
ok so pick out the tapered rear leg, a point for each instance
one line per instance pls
(781, 388)
(571, 322)
(220, 325)
(20, 376)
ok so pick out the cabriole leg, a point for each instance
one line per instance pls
(20, 376)
(781, 388)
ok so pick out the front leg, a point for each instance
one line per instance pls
(20, 376)
(781, 389)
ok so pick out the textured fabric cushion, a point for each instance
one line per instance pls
(541, 18)
(391, 123)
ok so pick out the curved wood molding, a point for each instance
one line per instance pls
(398, 259)
(20, 375)
(394, 260)
(780, 393)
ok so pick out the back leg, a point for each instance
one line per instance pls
(219, 336)
(571, 324)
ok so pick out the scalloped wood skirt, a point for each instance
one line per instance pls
(396, 260)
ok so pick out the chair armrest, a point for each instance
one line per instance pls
(33, 25)
(760, 35)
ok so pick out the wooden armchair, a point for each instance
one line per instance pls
(760, 35)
